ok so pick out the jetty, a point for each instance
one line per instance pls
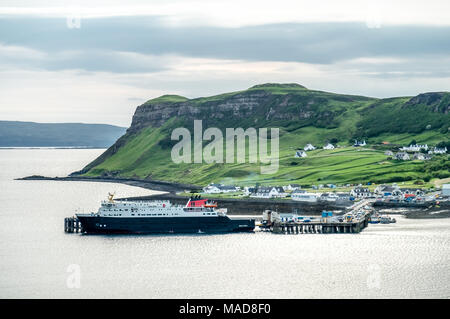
(354, 221)
(319, 227)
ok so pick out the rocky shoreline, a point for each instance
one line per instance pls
(151, 185)
(439, 211)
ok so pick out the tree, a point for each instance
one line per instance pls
(334, 140)
(443, 144)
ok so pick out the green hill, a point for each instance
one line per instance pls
(302, 116)
(31, 134)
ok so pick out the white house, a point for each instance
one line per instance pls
(292, 187)
(328, 147)
(359, 143)
(360, 192)
(218, 188)
(269, 192)
(415, 148)
(389, 153)
(249, 190)
(414, 191)
(309, 147)
(386, 190)
(328, 197)
(402, 156)
(303, 196)
(438, 151)
(422, 157)
(343, 196)
(300, 153)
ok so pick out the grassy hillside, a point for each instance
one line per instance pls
(303, 116)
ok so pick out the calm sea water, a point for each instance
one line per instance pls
(408, 259)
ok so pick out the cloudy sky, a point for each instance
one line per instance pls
(95, 61)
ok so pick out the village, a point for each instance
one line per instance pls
(331, 193)
(405, 153)
(344, 193)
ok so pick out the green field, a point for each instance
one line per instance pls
(302, 116)
(142, 157)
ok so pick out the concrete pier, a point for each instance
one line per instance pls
(320, 227)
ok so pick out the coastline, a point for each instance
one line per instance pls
(151, 185)
(244, 206)
(235, 206)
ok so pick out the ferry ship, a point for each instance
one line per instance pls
(160, 216)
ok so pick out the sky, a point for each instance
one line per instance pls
(96, 61)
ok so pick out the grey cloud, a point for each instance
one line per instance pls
(106, 61)
(100, 39)
(90, 61)
(436, 66)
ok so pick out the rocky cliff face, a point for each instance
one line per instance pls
(302, 115)
(438, 102)
(258, 104)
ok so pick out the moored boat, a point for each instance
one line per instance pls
(197, 216)
(374, 219)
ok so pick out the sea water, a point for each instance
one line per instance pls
(409, 259)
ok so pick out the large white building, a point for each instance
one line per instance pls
(360, 192)
(329, 146)
(219, 188)
(269, 192)
(438, 151)
(415, 148)
(302, 196)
